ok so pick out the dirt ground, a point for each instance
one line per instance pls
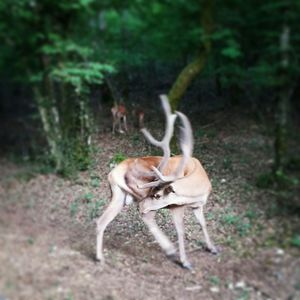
(47, 228)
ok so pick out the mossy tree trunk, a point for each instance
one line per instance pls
(49, 117)
(66, 122)
(190, 72)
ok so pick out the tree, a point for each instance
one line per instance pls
(54, 61)
(186, 76)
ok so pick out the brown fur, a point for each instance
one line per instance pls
(119, 114)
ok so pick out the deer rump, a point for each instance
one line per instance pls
(187, 189)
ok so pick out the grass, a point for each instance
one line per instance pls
(279, 180)
(94, 209)
(244, 295)
(227, 164)
(136, 139)
(95, 182)
(116, 159)
(205, 132)
(215, 280)
(30, 240)
(74, 207)
(86, 204)
(239, 223)
(87, 197)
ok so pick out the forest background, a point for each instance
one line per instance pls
(231, 66)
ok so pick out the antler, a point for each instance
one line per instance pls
(164, 143)
(186, 145)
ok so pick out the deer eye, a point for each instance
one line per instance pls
(168, 190)
(156, 196)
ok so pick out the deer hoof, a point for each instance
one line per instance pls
(172, 257)
(99, 260)
(213, 250)
(187, 265)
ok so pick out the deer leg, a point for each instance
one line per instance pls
(125, 123)
(160, 237)
(120, 124)
(178, 214)
(113, 209)
(114, 124)
(200, 217)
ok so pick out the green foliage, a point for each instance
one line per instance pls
(278, 179)
(227, 163)
(95, 182)
(136, 139)
(74, 207)
(58, 63)
(296, 241)
(265, 180)
(88, 205)
(76, 157)
(94, 209)
(87, 198)
(62, 48)
(129, 34)
(215, 280)
(232, 50)
(117, 158)
(30, 241)
(81, 75)
(240, 223)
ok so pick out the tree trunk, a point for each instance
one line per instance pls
(189, 73)
(49, 115)
(281, 119)
(183, 81)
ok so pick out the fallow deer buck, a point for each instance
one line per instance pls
(119, 113)
(156, 182)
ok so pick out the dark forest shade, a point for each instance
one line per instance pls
(64, 51)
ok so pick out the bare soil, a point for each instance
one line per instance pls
(47, 228)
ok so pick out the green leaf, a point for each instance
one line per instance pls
(296, 241)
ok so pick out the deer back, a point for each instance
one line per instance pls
(194, 181)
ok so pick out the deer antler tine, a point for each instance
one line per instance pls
(150, 138)
(186, 135)
(149, 184)
(165, 104)
(186, 145)
(164, 143)
(170, 118)
(163, 178)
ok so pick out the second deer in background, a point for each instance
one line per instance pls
(119, 117)
(138, 115)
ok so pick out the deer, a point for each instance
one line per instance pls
(157, 182)
(138, 114)
(119, 116)
(140, 117)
